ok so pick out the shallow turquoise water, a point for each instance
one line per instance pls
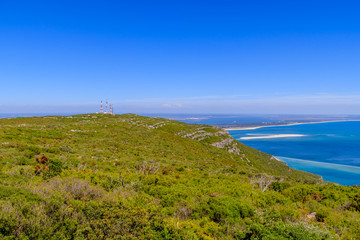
(331, 150)
(343, 174)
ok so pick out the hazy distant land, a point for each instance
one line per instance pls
(247, 126)
(250, 126)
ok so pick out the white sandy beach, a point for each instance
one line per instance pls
(273, 136)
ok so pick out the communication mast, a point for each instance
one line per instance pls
(105, 111)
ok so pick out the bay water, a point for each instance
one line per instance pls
(330, 149)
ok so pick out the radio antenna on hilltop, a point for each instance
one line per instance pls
(105, 111)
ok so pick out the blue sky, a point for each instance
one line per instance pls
(180, 56)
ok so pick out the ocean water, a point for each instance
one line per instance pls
(331, 149)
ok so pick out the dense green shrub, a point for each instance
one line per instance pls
(55, 168)
(220, 209)
(132, 177)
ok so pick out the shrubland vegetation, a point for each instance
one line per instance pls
(132, 177)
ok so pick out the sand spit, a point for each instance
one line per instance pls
(273, 136)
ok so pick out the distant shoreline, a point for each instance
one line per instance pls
(284, 124)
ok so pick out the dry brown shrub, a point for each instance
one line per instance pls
(166, 171)
(70, 188)
(315, 196)
(214, 194)
(42, 164)
(82, 190)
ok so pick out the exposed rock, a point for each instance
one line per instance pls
(221, 132)
(311, 217)
(274, 158)
(225, 142)
(229, 144)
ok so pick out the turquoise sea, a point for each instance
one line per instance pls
(331, 149)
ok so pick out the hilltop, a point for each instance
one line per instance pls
(124, 177)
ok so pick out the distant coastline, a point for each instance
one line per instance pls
(282, 124)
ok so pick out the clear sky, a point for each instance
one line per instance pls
(180, 56)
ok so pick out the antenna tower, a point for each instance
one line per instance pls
(106, 107)
(101, 107)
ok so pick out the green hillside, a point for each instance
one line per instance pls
(132, 177)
